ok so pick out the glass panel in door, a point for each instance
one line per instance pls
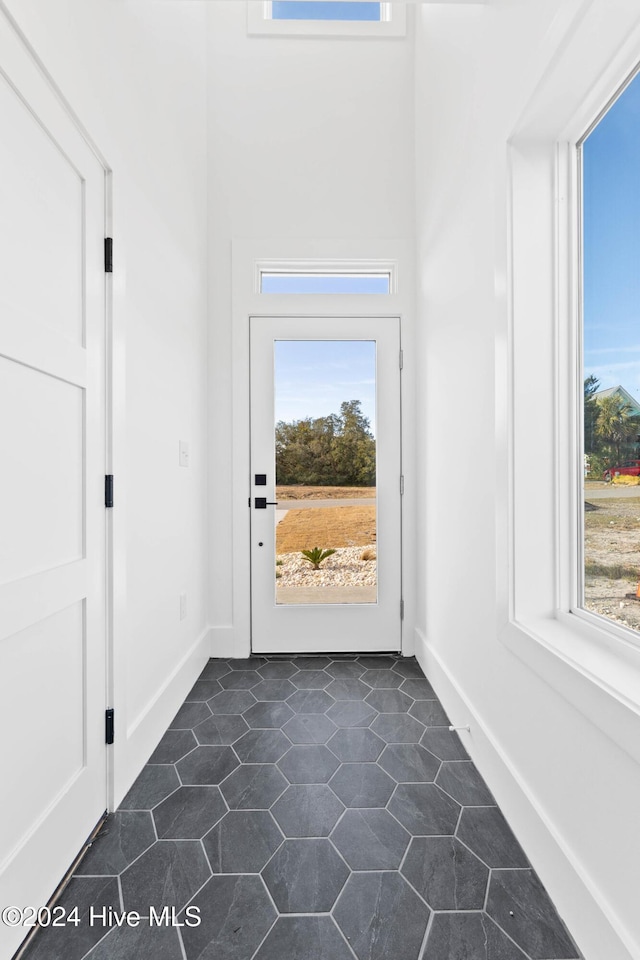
(325, 450)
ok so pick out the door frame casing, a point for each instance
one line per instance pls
(234, 639)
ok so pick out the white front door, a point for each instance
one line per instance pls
(52, 515)
(325, 484)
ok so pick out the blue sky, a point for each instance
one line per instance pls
(324, 10)
(313, 377)
(611, 168)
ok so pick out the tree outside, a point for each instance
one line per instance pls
(611, 429)
(336, 450)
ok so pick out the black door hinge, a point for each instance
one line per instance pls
(108, 255)
(108, 725)
(108, 490)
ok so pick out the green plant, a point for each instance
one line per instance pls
(278, 574)
(316, 556)
(279, 563)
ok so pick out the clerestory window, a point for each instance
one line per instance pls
(326, 18)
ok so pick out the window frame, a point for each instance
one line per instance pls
(393, 23)
(592, 662)
(324, 267)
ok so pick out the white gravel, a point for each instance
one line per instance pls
(343, 568)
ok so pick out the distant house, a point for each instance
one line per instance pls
(620, 391)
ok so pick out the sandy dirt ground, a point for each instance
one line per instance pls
(324, 493)
(326, 527)
(612, 542)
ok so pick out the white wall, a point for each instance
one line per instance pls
(571, 792)
(308, 138)
(134, 73)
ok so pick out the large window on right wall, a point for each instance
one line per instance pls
(610, 172)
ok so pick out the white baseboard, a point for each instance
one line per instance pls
(592, 920)
(133, 748)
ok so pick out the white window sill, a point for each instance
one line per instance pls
(597, 673)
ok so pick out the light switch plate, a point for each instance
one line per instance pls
(184, 453)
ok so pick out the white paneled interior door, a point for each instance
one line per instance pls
(52, 516)
(326, 474)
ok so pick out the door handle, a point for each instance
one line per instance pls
(261, 503)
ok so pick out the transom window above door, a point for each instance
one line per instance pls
(311, 277)
(312, 283)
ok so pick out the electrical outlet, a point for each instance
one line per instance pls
(183, 605)
(183, 448)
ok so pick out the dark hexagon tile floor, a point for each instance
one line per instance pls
(310, 808)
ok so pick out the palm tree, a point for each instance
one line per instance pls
(616, 425)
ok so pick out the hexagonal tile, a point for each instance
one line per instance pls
(305, 938)
(221, 729)
(519, 904)
(308, 764)
(242, 842)
(445, 873)
(84, 894)
(362, 785)
(352, 713)
(485, 831)
(153, 784)
(468, 935)
(240, 680)
(247, 663)
(310, 701)
(188, 813)
(173, 746)
(305, 876)
(389, 701)
(309, 728)
(461, 780)
(202, 690)
(262, 746)
(273, 690)
(444, 744)
(143, 942)
(370, 840)
(377, 662)
(189, 715)
(345, 670)
(122, 838)
(307, 810)
(231, 701)
(397, 728)
(382, 917)
(409, 763)
(268, 714)
(278, 670)
(429, 712)
(381, 678)
(207, 765)
(311, 662)
(348, 689)
(168, 874)
(360, 743)
(236, 913)
(424, 810)
(408, 667)
(418, 689)
(214, 669)
(253, 786)
(311, 680)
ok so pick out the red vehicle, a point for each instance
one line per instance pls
(631, 469)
